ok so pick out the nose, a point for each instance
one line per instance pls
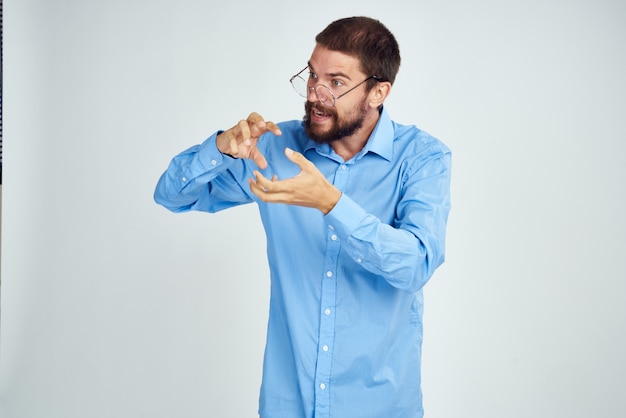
(312, 95)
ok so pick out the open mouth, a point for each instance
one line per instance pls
(320, 114)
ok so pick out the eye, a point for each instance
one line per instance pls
(312, 75)
(337, 83)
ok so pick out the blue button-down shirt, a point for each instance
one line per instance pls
(345, 324)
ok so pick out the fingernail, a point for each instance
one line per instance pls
(288, 151)
(247, 141)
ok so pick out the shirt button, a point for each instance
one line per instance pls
(184, 179)
(327, 311)
(329, 273)
(322, 386)
(358, 260)
(325, 348)
(213, 162)
(334, 237)
(343, 167)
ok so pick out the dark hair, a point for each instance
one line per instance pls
(368, 40)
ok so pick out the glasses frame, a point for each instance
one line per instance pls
(314, 88)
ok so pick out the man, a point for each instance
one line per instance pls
(354, 208)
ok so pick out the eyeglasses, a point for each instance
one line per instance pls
(322, 92)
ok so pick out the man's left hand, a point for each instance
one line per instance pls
(308, 188)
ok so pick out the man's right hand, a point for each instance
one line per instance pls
(240, 140)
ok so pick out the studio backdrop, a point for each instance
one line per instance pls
(113, 307)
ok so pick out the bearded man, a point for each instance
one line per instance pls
(354, 208)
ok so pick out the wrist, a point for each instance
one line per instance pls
(222, 144)
(330, 203)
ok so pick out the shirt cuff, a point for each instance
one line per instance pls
(210, 156)
(346, 216)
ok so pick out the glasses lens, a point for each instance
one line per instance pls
(299, 85)
(324, 95)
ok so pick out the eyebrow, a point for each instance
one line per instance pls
(339, 74)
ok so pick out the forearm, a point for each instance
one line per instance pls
(192, 177)
(395, 254)
(406, 250)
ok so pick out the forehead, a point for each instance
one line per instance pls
(326, 62)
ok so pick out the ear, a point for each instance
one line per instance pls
(379, 93)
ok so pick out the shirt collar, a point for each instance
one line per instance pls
(380, 141)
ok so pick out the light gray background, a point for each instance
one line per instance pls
(113, 307)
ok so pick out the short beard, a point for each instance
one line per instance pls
(339, 129)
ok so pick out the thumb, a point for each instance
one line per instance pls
(293, 156)
(296, 157)
(258, 158)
